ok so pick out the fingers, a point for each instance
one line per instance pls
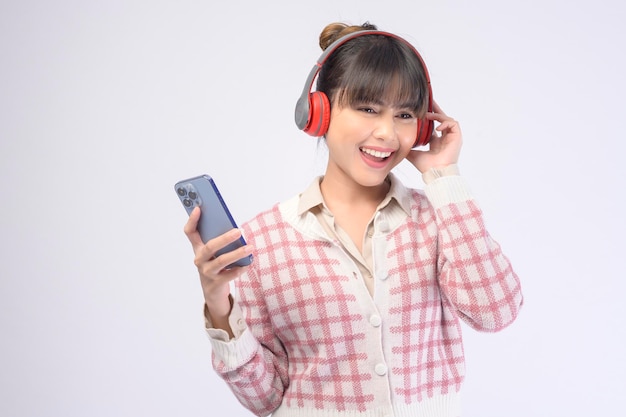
(191, 228)
(438, 116)
(437, 108)
(445, 142)
(207, 253)
(215, 271)
(446, 123)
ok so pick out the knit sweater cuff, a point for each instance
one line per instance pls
(236, 352)
(235, 320)
(434, 173)
(447, 190)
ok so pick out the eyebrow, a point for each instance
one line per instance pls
(401, 106)
(405, 105)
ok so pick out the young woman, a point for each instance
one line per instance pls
(352, 304)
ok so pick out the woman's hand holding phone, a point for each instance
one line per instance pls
(215, 273)
(221, 252)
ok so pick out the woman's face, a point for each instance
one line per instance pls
(366, 140)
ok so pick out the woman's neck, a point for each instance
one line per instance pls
(352, 205)
(344, 192)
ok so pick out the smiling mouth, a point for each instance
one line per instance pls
(376, 154)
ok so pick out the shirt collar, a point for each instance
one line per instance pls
(312, 196)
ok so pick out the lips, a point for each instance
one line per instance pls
(376, 154)
(375, 158)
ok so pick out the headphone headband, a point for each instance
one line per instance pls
(304, 114)
(302, 106)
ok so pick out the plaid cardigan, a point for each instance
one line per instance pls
(311, 341)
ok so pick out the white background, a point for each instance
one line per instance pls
(105, 104)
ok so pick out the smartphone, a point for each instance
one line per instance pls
(215, 218)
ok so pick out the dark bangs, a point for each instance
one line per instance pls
(376, 69)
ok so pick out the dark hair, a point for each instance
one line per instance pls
(371, 68)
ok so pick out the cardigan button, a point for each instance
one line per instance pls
(381, 369)
(375, 320)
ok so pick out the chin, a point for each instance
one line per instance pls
(372, 180)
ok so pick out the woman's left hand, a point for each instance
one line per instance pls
(445, 143)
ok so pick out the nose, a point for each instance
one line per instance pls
(385, 128)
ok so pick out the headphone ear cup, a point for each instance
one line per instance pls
(319, 114)
(425, 129)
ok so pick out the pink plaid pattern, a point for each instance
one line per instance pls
(317, 347)
(429, 357)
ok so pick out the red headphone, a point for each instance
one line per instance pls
(312, 113)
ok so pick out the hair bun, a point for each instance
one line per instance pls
(334, 31)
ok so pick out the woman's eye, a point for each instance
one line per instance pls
(405, 115)
(367, 110)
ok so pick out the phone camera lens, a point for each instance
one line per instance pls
(192, 195)
(187, 202)
(181, 191)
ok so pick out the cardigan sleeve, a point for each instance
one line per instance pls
(474, 274)
(254, 364)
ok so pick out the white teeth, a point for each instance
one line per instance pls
(377, 154)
